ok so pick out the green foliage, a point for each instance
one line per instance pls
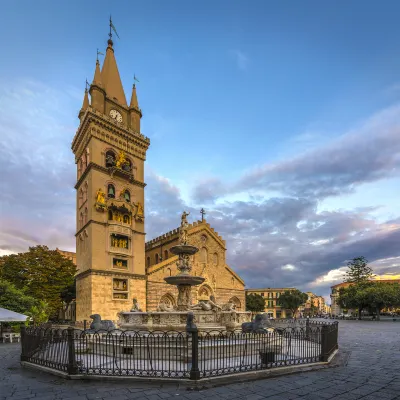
(15, 299)
(292, 300)
(358, 271)
(41, 272)
(39, 312)
(69, 294)
(375, 295)
(255, 303)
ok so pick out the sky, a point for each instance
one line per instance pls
(280, 118)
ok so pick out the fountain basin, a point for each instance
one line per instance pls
(184, 279)
(184, 249)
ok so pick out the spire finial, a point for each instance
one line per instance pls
(112, 28)
(202, 212)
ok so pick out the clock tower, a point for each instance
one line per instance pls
(110, 240)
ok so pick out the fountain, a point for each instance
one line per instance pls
(184, 281)
(208, 315)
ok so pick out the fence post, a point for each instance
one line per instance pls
(308, 328)
(324, 343)
(23, 342)
(84, 324)
(72, 368)
(192, 329)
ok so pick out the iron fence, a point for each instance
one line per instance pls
(191, 354)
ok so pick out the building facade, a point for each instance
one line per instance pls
(271, 295)
(110, 153)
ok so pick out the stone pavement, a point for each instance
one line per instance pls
(372, 372)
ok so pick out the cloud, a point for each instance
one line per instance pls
(242, 61)
(367, 154)
(37, 204)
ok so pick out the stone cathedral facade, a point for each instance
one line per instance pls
(114, 263)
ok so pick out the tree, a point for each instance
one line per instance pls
(358, 271)
(41, 272)
(292, 300)
(382, 294)
(15, 299)
(255, 303)
(353, 297)
(39, 313)
(69, 294)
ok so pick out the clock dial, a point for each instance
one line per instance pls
(116, 115)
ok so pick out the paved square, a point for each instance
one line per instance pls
(372, 373)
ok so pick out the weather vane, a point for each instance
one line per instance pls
(87, 84)
(112, 28)
(99, 53)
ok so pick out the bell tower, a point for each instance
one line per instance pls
(109, 153)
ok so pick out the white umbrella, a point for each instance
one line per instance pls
(11, 316)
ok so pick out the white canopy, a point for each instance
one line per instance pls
(11, 316)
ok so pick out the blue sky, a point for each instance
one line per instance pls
(268, 104)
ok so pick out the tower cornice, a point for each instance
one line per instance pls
(104, 127)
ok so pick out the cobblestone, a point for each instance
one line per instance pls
(372, 372)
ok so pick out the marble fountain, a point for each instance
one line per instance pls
(208, 315)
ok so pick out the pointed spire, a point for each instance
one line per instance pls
(110, 77)
(134, 100)
(97, 75)
(85, 104)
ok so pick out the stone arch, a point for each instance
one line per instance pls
(215, 259)
(236, 302)
(205, 291)
(168, 299)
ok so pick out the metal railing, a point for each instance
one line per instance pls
(191, 354)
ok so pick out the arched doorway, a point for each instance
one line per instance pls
(236, 302)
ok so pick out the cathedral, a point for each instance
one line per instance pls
(114, 263)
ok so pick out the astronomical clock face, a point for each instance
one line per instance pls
(116, 115)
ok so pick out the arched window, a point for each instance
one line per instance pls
(148, 261)
(84, 165)
(110, 215)
(169, 271)
(85, 217)
(127, 195)
(81, 220)
(215, 259)
(233, 281)
(128, 165)
(156, 258)
(87, 156)
(110, 159)
(80, 198)
(203, 255)
(111, 191)
(126, 219)
(79, 168)
(165, 254)
(85, 191)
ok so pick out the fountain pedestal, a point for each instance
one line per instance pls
(184, 281)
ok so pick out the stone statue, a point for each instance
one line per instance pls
(259, 325)
(162, 307)
(98, 324)
(207, 305)
(229, 306)
(121, 161)
(139, 212)
(190, 325)
(100, 197)
(135, 306)
(183, 235)
(100, 200)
